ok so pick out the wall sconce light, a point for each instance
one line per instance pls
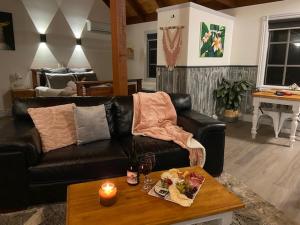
(78, 41)
(43, 38)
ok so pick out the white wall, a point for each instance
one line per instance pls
(247, 29)
(136, 39)
(190, 15)
(55, 18)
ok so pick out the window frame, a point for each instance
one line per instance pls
(264, 49)
(147, 55)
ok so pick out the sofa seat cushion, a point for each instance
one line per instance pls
(75, 163)
(168, 154)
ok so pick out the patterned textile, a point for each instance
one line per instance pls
(55, 125)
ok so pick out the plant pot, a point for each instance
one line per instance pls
(231, 115)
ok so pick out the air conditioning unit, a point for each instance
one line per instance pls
(99, 27)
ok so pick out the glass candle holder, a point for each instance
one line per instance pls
(108, 194)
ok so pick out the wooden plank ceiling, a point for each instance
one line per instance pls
(139, 11)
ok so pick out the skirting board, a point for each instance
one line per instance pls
(285, 129)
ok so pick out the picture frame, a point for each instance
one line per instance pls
(7, 40)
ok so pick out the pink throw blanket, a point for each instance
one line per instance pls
(155, 116)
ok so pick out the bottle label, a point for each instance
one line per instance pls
(132, 177)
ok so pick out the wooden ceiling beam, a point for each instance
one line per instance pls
(240, 3)
(161, 3)
(138, 9)
(119, 48)
(228, 3)
(143, 16)
(136, 19)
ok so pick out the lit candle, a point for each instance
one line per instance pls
(108, 194)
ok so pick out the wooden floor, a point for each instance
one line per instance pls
(267, 165)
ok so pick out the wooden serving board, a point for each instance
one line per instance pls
(167, 197)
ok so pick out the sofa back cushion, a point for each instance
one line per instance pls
(56, 125)
(123, 109)
(20, 106)
(119, 110)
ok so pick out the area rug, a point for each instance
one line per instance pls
(256, 212)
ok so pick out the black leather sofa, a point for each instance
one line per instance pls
(28, 176)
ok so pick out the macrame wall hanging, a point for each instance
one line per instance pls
(172, 45)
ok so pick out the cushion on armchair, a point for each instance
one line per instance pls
(42, 80)
(59, 80)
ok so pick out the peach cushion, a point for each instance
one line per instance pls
(55, 125)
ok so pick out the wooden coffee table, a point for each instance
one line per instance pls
(134, 207)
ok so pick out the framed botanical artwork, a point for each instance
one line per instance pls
(212, 39)
(7, 40)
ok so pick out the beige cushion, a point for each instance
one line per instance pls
(55, 125)
(91, 124)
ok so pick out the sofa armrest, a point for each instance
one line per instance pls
(28, 144)
(210, 133)
(16, 155)
(14, 180)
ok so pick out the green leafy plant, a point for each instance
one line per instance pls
(229, 94)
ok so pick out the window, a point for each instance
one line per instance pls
(283, 53)
(151, 55)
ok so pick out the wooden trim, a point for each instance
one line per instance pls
(91, 86)
(119, 48)
(161, 3)
(135, 19)
(34, 78)
(228, 3)
(23, 93)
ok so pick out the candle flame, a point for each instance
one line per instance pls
(108, 188)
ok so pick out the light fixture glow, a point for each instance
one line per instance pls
(78, 58)
(41, 13)
(43, 57)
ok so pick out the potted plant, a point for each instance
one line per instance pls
(229, 97)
